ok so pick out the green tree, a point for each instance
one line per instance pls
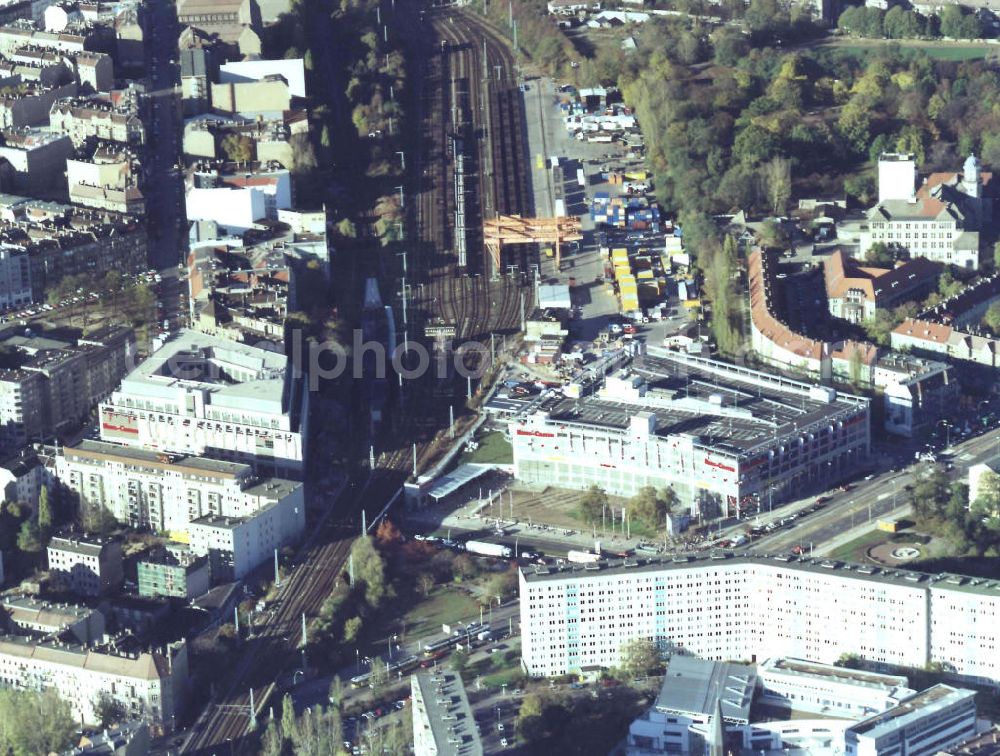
(109, 710)
(238, 148)
(880, 255)
(502, 584)
(855, 367)
(651, 506)
(44, 512)
(861, 187)
(992, 318)
(289, 722)
(28, 538)
(369, 569)
(729, 46)
(345, 227)
(949, 286)
(463, 567)
(592, 504)
(849, 661)
(777, 177)
(272, 743)
(459, 660)
(930, 493)
(639, 657)
(529, 716)
(34, 723)
(352, 629)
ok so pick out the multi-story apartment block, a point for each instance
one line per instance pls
(37, 159)
(443, 724)
(724, 438)
(208, 396)
(174, 571)
(940, 221)
(757, 607)
(245, 293)
(160, 491)
(147, 685)
(13, 38)
(91, 565)
(97, 117)
(15, 278)
(237, 198)
(51, 385)
(29, 105)
(236, 22)
(27, 615)
(22, 477)
(235, 546)
(106, 178)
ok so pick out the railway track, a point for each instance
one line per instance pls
(459, 99)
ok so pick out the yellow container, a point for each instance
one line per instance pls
(637, 175)
(630, 303)
(645, 274)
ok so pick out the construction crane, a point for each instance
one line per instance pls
(513, 229)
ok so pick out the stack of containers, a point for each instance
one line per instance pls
(607, 211)
(644, 219)
(648, 286)
(629, 291)
(599, 207)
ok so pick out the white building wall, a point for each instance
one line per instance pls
(754, 610)
(235, 209)
(252, 542)
(897, 179)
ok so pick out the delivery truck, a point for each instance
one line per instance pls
(488, 549)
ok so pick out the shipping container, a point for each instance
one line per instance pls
(581, 179)
(560, 208)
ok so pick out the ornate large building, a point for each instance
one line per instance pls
(940, 220)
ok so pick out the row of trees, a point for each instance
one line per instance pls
(971, 528)
(318, 731)
(344, 615)
(554, 722)
(649, 507)
(896, 23)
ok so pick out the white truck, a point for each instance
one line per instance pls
(582, 557)
(488, 549)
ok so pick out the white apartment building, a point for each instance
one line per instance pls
(826, 689)
(443, 724)
(237, 545)
(209, 396)
(725, 438)
(755, 607)
(147, 685)
(91, 566)
(161, 491)
(920, 725)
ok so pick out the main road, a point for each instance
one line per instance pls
(856, 510)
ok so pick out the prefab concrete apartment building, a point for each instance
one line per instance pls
(755, 607)
(725, 438)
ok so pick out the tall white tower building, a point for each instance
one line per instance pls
(897, 177)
